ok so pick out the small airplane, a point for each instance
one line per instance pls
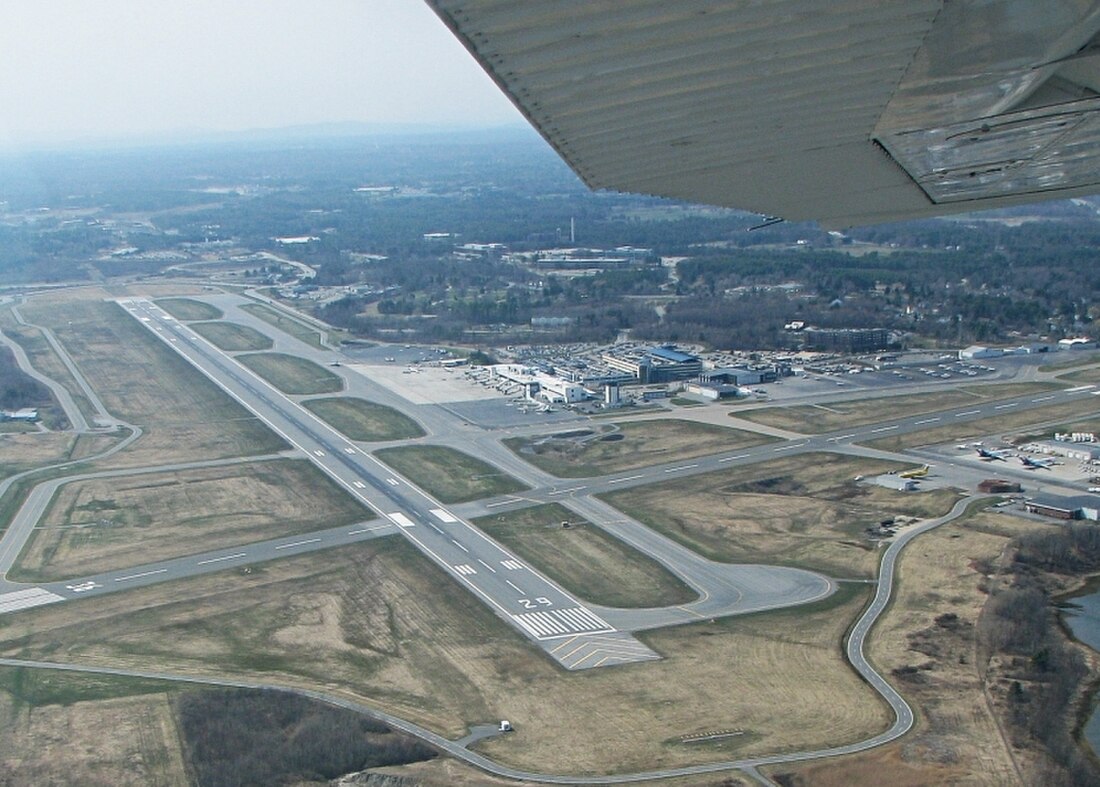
(916, 472)
(991, 456)
(1036, 464)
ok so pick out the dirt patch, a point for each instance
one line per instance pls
(124, 741)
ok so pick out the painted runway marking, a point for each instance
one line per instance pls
(465, 570)
(884, 429)
(221, 559)
(1006, 406)
(567, 491)
(392, 481)
(621, 480)
(968, 412)
(142, 574)
(554, 623)
(1079, 389)
(25, 599)
(512, 565)
(509, 501)
(318, 452)
(514, 586)
(681, 467)
(482, 562)
(358, 484)
(1043, 399)
(366, 530)
(443, 516)
(732, 458)
(349, 450)
(401, 520)
(925, 421)
(464, 549)
(298, 543)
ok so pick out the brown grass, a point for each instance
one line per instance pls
(110, 523)
(449, 475)
(231, 337)
(803, 511)
(1002, 425)
(584, 559)
(127, 741)
(817, 419)
(957, 739)
(184, 416)
(20, 452)
(631, 444)
(376, 621)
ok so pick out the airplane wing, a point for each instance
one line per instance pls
(847, 111)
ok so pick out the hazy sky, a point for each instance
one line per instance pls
(73, 69)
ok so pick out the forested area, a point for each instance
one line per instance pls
(237, 736)
(998, 277)
(1045, 673)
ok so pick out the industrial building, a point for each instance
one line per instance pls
(1076, 507)
(1079, 452)
(537, 384)
(846, 340)
(25, 414)
(654, 364)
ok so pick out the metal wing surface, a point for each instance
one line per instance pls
(843, 111)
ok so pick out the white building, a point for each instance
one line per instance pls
(540, 385)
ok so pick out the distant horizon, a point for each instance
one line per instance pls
(133, 73)
(334, 130)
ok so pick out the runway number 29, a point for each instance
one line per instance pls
(540, 601)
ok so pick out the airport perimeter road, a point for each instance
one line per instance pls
(903, 714)
(541, 610)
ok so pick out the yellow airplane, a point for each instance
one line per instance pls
(916, 472)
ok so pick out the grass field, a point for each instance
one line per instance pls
(803, 511)
(58, 728)
(817, 419)
(291, 374)
(189, 309)
(956, 729)
(610, 448)
(299, 330)
(449, 475)
(110, 523)
(1091, 375)
(584, 559)
(19, 452)
(44, 359)
(379, 622)
(231, 337)
(1001, 425)
(359, 419)
(183, 415)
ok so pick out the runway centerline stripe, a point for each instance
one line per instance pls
(298, 543)
(221, 559)
(142, 574)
